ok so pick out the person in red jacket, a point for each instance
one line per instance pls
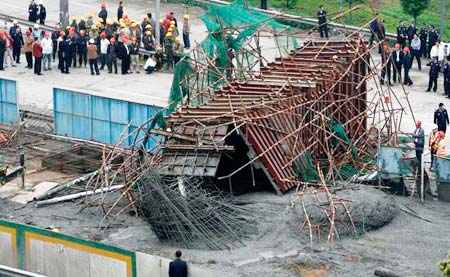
(37, 53)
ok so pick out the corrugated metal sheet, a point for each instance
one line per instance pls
(101, 119)
(443, 169)
(9, 110)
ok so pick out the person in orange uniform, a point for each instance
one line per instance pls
(434, 136)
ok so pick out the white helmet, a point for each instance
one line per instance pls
(434, 127)
(40, 2)
(36, 26)
(92, 41)
(15, 22)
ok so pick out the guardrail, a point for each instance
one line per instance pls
(299, 19)
(6, 271)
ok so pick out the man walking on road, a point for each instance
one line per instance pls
(177, 267)
(441, 118)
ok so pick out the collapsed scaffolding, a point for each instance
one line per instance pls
(258, 104)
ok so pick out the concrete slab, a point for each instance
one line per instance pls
(267, 255)
(27, 196)
(247, 261)
(291, 253)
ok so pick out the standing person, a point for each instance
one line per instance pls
(177, 50)
(433, 143)
(42, 13)
(168, 44)
(441, 118)
(407, 61)
(112, 56)
(9, 49)
(419, 141)
(134, 54)
(432, 38)
(447, 78)
(437, 51)
(47, 50)
(55, 36)
(17, 45)
(82, 41)
(62, 48)
(423, 35)
(104, 42)
(82, 24)
(2, 49)
(120, 10)
(149, 42)
(416, 46)
(74, 24)
(32, 12)
(322, 18)
(37, 54)
(68, 52)
(123, 53)
(186, 31)
(433, 74)
(28, 49)
(73, 47)
(442, 146)
(37, 33)
(387, 62)
(90, 22)
(103, 14)
(401, 33)
(178, 267)
(159, 58)
(411, 31)
(93, 57)
(397, 57)
(13, 28)
(152, 22)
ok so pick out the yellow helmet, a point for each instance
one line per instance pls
(148, 26)
(172, 26)
(177, 39)
(115, 20)
(145, 17)
(134, 24)
(123, 25)
(186, 16)
(98, 24)
(169, 34)
(148, 33)
(161, 21)
(82, 18)
(170, 30)
(100, 20)
(172, 22)
(74, 18)
(90, 15)
(108, 21)
(93, 27)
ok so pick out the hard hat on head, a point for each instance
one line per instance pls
(74, 18)
(134, 24)
(108, 21)
(103, 35)
(434, 127)
(123, 25)
(177, 39)
(15, 22)
(406, 49)
(169, 34)
(100, 20)
(28, 33)
(418, 123)
(172, 22)
(441, 134)
(91, 40)
(82, 18)
(72, 29)
(72, 33)
(67, 28)
(93, 27)
(386, 47)
(47, 34)
(36, 26)
(168, 15)
(103, 5)
(145, 17)
(57, 26)
(148, 33)
(397, 46)
(186, 17)
(115, 20)
(148, 26)
(62, 34)
(161, 21)
(90, 15)
(98, 24)
(2, 34)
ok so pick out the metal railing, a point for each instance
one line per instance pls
(6, 271)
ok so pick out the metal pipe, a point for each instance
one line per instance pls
(7, 271)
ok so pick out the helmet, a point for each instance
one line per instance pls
(15, 22)
(172, 26)
(148, 26)
(134, 24)
(82, 32)
(441, 134)
(67, 28)
(103, 5)
(108, 21)
(434, 126)
(186, 17)
(172, 22)
(161, 21)
(168, 15)
(145, 17)
(406, 49)
(115, 20)
(74, 18)
(47, 34)
(82, 18)
(98, 24)
(170, 30)
(100, 20)
(57, 26)
(90, 15)
(72, 33)
(103, 35)
(2, 34)
(418, 123)
(27, 32)
(113, 39)
(177, 39)
(148, 33)
(169, 34)
(36, 26)
(397, 46)
(93, 27)
(123, 25)
(72, 29)
(91, 40)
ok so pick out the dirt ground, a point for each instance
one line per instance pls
(408, 245)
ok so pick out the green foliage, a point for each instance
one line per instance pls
(444, 266)
(414, 7)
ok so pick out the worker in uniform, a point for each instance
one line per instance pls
(423, 36)
(442, 146)
(73, 47)
(90, 21)
(419, 141)
(433, 74)
(55, 36)
(82, 24)
(74, 24)
(42, 13)
(162, 32)
(401, 34)
(322, 18)
(177, 50)
(416, 46)
(33, 12)
(168, 44)
(411, 31)
(149, 43)
(17, 44)
(186, 31)
(407, 61)
(441, 118)
(112, 56)
(61, 51)
(387, 62)
(432, 38)
(103, 14)
(134, 54)
(82, 42)
(93, 56)
(28, 49)
(159, 58)
(447, 77)
(120, 10)
(433, 143)
(68, 52)
(397, 58)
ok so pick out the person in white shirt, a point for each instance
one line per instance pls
(437, 51)
(47, 50)
(104, 42)
(416, 45)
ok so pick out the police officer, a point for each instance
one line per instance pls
(447, 77)
(441, 118)
(423, 36)
(433, 74)
(411, 31)
(401, 34)
(432, 38)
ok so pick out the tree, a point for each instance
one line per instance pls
(414, 8)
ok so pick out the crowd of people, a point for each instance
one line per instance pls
(105, 42)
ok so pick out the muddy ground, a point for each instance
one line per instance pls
(407, 245)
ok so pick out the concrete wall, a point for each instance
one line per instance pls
(58, 255)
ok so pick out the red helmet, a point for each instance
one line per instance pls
(27, 32)
(82, 32)
(6, 32)
(386, 47)
(441, 134)
(2, 34)
(113, 39)
(103, 5)
(72, 29)
(406, 49)
(103, 35)
(418, 123)
(57, 27)
(72, 33)
(62, 34)
(397, 46)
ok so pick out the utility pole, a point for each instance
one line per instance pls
(64, 13)
(157, 17)
(441, 35)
